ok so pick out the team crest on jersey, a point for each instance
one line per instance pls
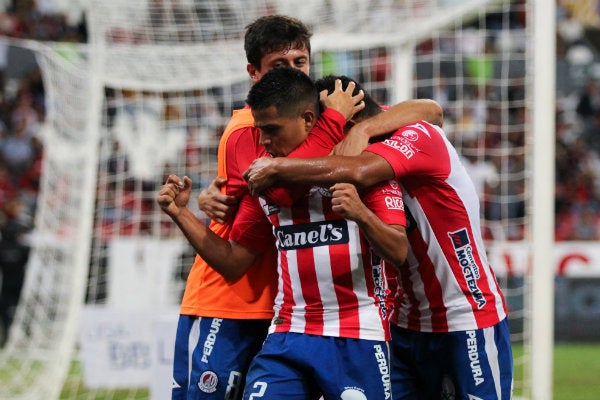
(394, 185)
(314, 234)
(394, 188)
(470, 269)
(411, 135)
(420, 127)
(208, 382)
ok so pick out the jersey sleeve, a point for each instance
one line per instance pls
(385, 200)
(242, 148)
(327, 132)
(251, 228)
(417, 149)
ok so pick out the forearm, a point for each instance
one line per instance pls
(388, 241)
(315, 171)
(402, 114)
(223, 256)
(362, 171)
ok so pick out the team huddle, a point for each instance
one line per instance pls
(344, 259)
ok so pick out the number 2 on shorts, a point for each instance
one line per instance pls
(262, 388)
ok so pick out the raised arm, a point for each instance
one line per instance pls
(227, 257)
(342, 100)
(402, 114)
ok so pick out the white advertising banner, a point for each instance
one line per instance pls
(571, 259)
(162, 372)
(126, 349)
(140, 272)
(133, 346)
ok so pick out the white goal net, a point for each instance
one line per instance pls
(150, 94)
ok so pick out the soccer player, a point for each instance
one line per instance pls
(451, 318)
(331, 296)
(223, 323)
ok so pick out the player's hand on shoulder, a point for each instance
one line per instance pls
(342, 100)
(261, 175)
(215, 204)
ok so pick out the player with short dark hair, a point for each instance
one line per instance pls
(450, 321)
(331, 295)
(276, 34)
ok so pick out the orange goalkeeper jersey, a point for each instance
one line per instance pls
(207, 293)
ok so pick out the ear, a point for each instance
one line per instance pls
(253, 72)
(310, 119)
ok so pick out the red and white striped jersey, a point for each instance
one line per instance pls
(328, 284)
(446, 283)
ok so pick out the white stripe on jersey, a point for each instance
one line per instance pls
(311, 270)
(440, 294)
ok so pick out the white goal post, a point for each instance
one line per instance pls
(541, 340)
(151, 92)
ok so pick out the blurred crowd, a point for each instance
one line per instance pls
(21, 117)
(577, 127)
(577, 131)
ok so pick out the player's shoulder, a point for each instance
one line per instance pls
(239, 125)
(420, 130)
(240, 119)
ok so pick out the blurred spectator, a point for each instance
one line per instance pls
(586, 225)
(14, 253)
(17, 149)
(480, 118)
(589, 100)
(7, 185)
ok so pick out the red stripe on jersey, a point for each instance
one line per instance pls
(344, 291)
(324, 266)
(283, 321)
(283, 317)
(339, 258)
(432, 286)
(454, 219)
(310, 291)
(405, 299)
(445, 207)
(307, 270)
(442, 230)
(498, 289)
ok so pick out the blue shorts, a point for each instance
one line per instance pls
(212, 356)
(465, 364)
(295, 366)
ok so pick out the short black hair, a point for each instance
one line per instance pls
(274, 33)
(290, 90)
(371, 109)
